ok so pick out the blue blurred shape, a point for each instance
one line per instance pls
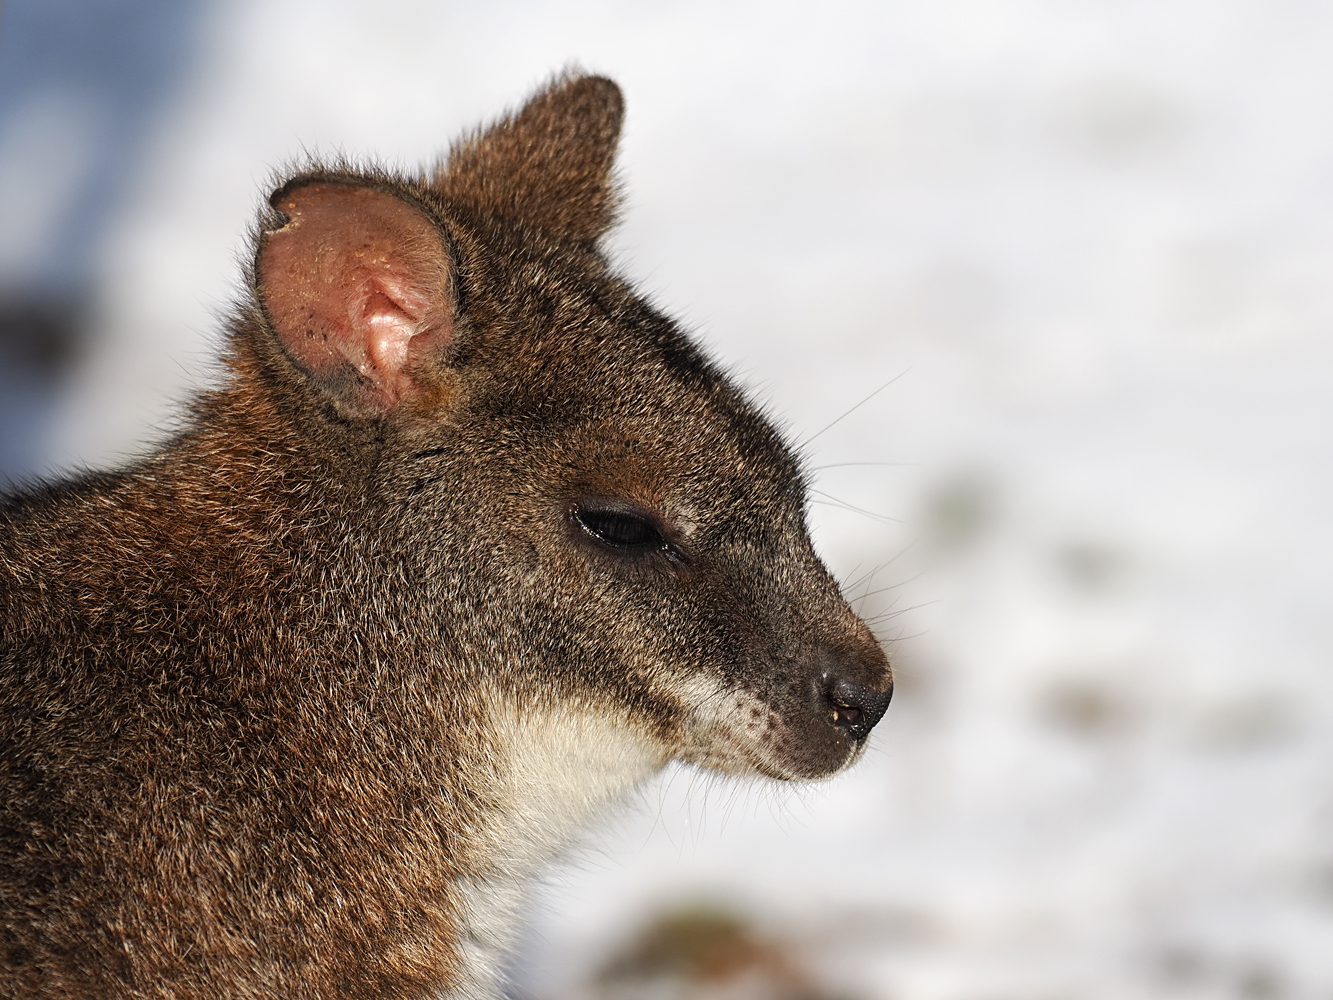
(81, 84)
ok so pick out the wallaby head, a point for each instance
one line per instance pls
(470, 539)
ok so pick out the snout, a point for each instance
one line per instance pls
(846, 693)
(806, 716)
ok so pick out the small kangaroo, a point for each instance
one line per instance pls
(468, 541)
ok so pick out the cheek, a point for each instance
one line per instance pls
(523, 561)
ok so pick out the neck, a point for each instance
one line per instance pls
(559, 768)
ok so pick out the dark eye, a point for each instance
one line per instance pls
(620, 529)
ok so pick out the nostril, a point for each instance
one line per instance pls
(846, 715)
(855, 708)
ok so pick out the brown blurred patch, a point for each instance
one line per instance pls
(703, 952)
(1087, 709)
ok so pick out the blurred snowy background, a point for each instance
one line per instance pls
(1090, 242)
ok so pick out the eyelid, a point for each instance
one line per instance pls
(665, 544)
(591, 516)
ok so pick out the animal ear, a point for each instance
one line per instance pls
(549, 165)
(356, 286)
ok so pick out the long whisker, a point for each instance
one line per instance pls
(835, 502)
(841, 506)
(895, 612)
(891, 586)
(848, 465)
(861, 601)
(848, 413)
(856, 581)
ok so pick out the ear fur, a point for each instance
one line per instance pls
(549, 165)
(355, 282)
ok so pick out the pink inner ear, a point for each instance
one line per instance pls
(356, 287)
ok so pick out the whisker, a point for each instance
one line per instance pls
(851, 586)
(834, 501)
(861, 601)
(846, 507)
(910, 636)
(848, 413)
(856, 581)
(848, 465)
(895, 612)
(885, 589)
(901, 583)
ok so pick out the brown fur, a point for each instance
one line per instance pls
(266, 695)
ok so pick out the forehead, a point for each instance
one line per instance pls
(677, 443)
(613, 393)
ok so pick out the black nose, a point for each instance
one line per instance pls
(855, 708)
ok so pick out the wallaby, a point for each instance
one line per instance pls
(468, 541)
